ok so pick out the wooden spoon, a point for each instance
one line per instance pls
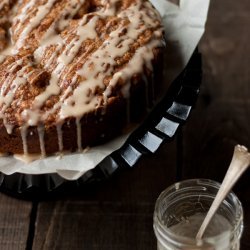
(239, 163)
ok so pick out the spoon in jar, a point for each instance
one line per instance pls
(239, 163)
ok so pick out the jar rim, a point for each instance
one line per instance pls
(188, 240)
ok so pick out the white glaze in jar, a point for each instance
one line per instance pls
(180, 210)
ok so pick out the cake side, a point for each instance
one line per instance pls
(75, 72)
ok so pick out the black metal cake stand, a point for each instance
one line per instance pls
(160, 127)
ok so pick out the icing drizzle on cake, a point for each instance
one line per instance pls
(60, 50)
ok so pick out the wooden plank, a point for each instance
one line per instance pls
(116, 215)
(222, 116)
(14, 223)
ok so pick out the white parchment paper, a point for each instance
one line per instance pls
(184, 26)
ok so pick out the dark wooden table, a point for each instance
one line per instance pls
(118, 214)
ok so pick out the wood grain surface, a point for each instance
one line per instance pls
(118, 213)
(14, 223)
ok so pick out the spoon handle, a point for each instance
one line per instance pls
(239, 163)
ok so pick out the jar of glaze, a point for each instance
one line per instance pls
(181, 209)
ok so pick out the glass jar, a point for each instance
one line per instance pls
(180, 210)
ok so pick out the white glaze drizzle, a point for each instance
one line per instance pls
(27, 158)
(51, 37)
(6, 98)
(70, 11)
(100, 64)
(2, 58)
(9, 127)
(79, 133)
(3, 2)
(40, 130)
(23, 16)
(12, 85)
(115, 46)
(42, 11)
(23, 131)
(59, 136)
(20, 78)
(83, 33)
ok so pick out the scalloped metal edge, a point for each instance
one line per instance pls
(160, 127)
